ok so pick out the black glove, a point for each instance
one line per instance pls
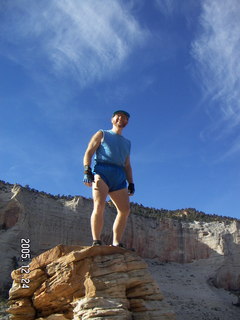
(88, 175)
(131, 189)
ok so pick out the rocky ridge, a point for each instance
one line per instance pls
(73, 282)
(46, 221)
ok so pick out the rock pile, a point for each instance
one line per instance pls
(73, 282)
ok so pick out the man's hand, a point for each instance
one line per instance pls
(131, 189)
(88, 177)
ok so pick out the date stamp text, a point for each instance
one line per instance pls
(25, 262)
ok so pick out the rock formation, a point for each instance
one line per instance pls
(46, 221)
(228, 274)
(73, 282)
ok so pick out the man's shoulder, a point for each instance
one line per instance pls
(98, 134)
(104, 131)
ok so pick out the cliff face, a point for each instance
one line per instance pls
(47, 221)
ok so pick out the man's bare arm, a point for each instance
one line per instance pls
(128, 170)
(92, 147)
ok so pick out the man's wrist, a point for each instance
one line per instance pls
(131, 188)
(88, 175)
(87, 169)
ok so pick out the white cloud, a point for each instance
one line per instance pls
(216, 51)
(172, 8)
(167, 7)
(86, 39)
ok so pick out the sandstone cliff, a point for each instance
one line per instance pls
(73, 282)
(46, 221)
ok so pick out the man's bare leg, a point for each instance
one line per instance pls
(120, 199)
(99, 192)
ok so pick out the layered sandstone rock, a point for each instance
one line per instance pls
(73, 282)
(228, 274)
(47, 221)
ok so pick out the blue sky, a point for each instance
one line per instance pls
(66, 65)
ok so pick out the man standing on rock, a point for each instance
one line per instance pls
(112, 168)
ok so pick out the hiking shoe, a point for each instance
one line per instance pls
(121, 245)
(96, 243)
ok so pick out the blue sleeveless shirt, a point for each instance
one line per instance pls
(114, 149)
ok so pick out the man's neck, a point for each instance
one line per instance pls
(117, 130)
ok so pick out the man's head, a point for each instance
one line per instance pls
(121, 112)
(120, 118)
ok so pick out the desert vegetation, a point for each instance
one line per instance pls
(184, 214)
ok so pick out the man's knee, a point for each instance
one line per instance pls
(98, 209)
(128, 210)
(124, 211)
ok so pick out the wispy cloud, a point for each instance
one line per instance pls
(167, 7)
(85, 39)
(216, 52)
(171, 8)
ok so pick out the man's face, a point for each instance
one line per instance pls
(120, 120)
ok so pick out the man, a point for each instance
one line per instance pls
(112, 168)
